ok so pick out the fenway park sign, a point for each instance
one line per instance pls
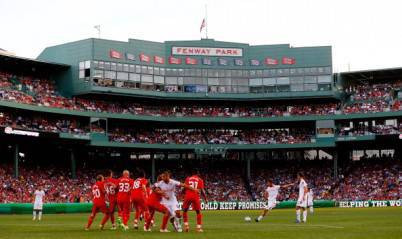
(206, 51)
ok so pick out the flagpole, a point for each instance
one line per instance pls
(206, 22)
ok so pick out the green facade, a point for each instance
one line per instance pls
(98, 50)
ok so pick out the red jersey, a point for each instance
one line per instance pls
(124, 189)
(154, 197)
(138, 185)
(98, 193)
(111, 188)
(196, 183)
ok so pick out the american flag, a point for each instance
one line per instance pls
(254, 62)
(203, 24)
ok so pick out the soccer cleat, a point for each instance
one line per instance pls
(200, 230)
(86, 229)
(164, 230)
(297, 221)
(186, 228)
(113, 227)
(119, 223)
(136, 226)
(256, 220)
(101, 227)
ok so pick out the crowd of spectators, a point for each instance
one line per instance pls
(371, 98)
(371, 91)
(58, 185)
(212, 136)
(373, 179)
(41, 123)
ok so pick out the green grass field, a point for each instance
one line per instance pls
(325, 223)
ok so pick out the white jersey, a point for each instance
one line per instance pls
(169, 189)
(310, 197)
(272, 192)
(39, 194)
(302, 186)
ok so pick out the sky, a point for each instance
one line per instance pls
(364, 34)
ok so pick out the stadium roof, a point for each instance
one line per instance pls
(373, 75)
(11, 62)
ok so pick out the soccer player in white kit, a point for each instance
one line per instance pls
(39, 195)
(310, 198)
(271, 193)
(302, 199)
(168, 186)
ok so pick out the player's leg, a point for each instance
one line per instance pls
(148, 221)
(298, 209)
(112, 207)
(145, 212)
(105, 218)
(166, 215)
(262, 215)
(311, 209)
(304, 214)
(120, 206)
(92, 216)
(197, 207)
(34, 214)
(271, 205)
(137, 213)
(185, 207)
(40, 214)
(126, 213)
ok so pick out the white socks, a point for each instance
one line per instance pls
(304, 215)
(34, 216)
(40, 215)
(298, 215)
(311, 209)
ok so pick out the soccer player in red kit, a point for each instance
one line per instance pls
(139, 195)
(154, 204)
(125, 183)
(99, 204)
(111, 192)
(193, 198)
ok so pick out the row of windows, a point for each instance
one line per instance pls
(169, 80)
(193, 88)
(203, 72)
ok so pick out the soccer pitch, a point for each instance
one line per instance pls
(324, 223)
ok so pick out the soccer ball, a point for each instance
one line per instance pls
(247, 219)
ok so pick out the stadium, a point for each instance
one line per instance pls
(238, 113)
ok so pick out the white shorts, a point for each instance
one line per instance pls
(171, 205)
(38, 206)
(271, 205)
(301, 202)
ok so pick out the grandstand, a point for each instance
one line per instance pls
(239, 113)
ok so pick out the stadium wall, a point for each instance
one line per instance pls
(52, 208)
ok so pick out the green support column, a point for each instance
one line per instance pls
(153, 168)
(16, 160)
(73, 164)
(248, 172)
(335, 158)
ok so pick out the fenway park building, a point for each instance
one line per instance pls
(150, 104)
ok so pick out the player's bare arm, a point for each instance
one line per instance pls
(188, 187)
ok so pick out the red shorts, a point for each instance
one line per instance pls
(195, 202)
(99, 207)
(156, 206)
(139, 203)
(112, 205)
(123, 206)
